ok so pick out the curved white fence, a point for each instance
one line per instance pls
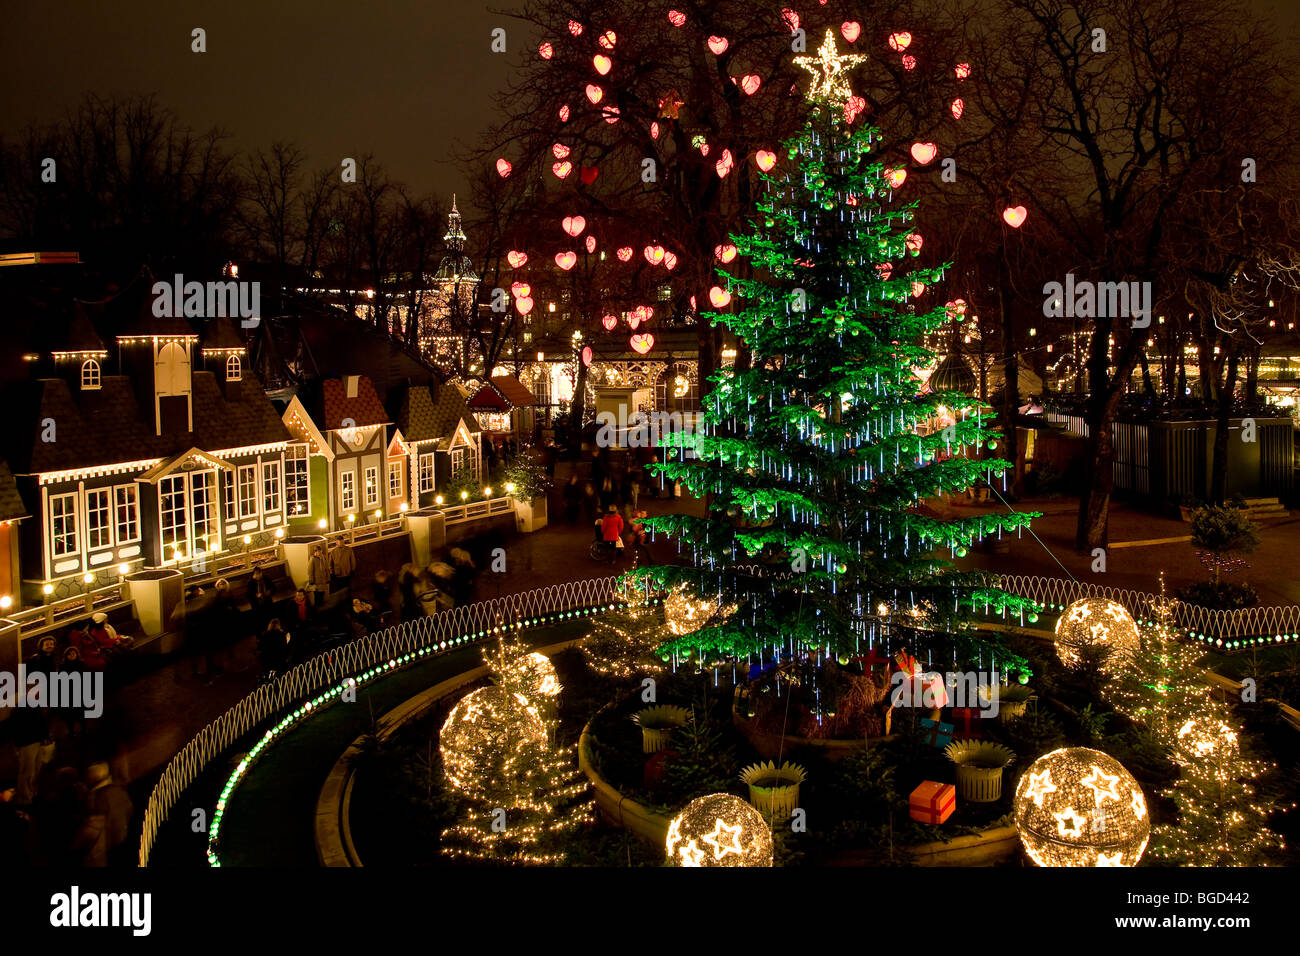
(310, 677)
(1230, 630)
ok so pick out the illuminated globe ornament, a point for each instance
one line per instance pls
(487, 739)
(1206, 736)
(1080, 807)
(538, 677)
(1096, 622)
(684, 614)
(719, 830)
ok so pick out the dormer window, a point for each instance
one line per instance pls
(90, 375)
(234, 369)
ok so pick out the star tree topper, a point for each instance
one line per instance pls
(829, 69)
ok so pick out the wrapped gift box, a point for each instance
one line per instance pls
(936, 733)
(932, 802)
(966, 720)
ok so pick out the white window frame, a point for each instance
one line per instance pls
(426, 471)
(372, 485)
(234, 369)
(126, 513)
(68, 517)
(230, 498)
(297, 481)
(210, 528)
(348, 490)
(91, 375)
(394, 478)
(104, 509)
(272, 489)
(184, 525)
(251, 486)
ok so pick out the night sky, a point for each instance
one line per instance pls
(404, 79)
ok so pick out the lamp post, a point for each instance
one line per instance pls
(87, 580)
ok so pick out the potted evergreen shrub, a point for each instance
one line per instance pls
(527, 483)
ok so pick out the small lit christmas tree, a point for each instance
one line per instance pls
(815, 460)
(536, 799)
(1221, 819)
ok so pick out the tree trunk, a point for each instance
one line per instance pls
(1010, 377)
(1219, 469)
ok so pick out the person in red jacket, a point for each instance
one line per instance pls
(611, 526)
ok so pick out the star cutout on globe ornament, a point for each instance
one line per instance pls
(715, 839)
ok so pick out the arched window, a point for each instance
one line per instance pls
(90, 374)
(234, 369)
(677, 390)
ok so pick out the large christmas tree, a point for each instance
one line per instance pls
(811, 459)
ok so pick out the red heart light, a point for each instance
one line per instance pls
(900, 41)
(924, 153)
(642, 343)
(563, 169)
(791, 19)
(574, 225)
(545, 50)
(609, 322)
(524, 305)
(602, 63)
(516, 259)
(914, 242)
(589, 174)
(591, 244)
(719, 297)
(725, 253)
(958, 107)
(676, 18)
(560, 150)
(718, 45)
(625, 253)
(962, 70)
(1014, 216)
(895, 177)
(853, 106)
(851, 30)
(608, 39)
(564, 113)
(594, 93)
(575, 28)
(724, 163)
(566, 260)
(909, 62)
(750, 83)
(765, 159)
(654, 254)
(503, 167)
(670, 261)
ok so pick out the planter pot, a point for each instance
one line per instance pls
(530, 515)
(1013, 699)
(979, 768)
(979, 784)
(657, 725)
(773, 790)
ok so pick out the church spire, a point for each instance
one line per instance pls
(454, 238)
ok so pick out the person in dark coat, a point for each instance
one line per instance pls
(318, 576)
(260, 598)
(108, 799)
(273, 647)
(590, 503)
(71, 663)
(572, 500)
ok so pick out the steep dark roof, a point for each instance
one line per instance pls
(11, 503)
(80, 335)
(364, 408)
(513, 391)
(108, 426)
(130, 312)
(433, 411)
(220, 333)
(488, 397)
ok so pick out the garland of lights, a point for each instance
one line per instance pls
(310, 707)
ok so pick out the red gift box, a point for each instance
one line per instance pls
(966, 720)
(932, 802)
